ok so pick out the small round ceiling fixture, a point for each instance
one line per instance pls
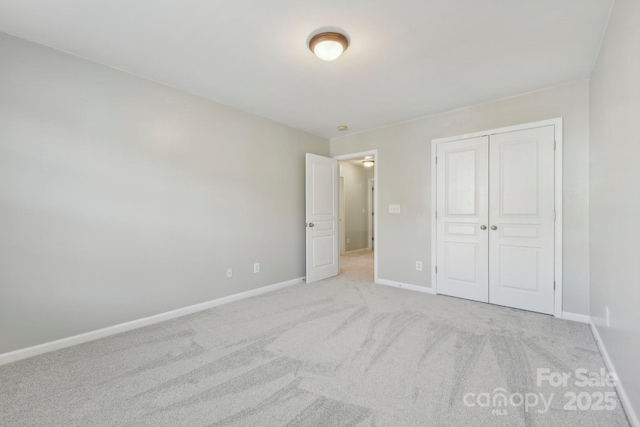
(368, 163)
(342, 128)
(328, 46)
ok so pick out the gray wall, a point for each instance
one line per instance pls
(615, 194)
(355, 189)
(404, 178)
(121, 198)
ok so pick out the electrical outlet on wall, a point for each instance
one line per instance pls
(229, 273)
(256, 267)
(419, 265)
(348, 240)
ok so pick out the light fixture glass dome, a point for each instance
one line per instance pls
(328, 46)
(328, 50)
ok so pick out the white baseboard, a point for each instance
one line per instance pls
(25, 353)
(406, 286)
(575, 317)
(622, 394)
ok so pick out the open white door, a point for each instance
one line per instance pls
(322, 217)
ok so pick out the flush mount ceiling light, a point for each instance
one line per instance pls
(342, 128)
(328, 46)
(368, 163)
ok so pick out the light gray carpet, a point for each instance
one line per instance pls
(339, 352)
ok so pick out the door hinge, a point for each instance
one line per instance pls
(554, 285)
(436, 269)
(555, 145)
(436, 214)
(436, 160)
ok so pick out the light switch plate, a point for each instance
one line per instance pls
(394, 209)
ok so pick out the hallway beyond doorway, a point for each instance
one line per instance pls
(358, 265)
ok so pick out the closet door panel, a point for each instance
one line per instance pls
(521, 218)
(462, 209)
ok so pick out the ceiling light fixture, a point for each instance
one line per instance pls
(328, 46)
(368, 163)
(342, 128)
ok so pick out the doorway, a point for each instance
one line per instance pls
(358, 205)
(355, 204)
(322, 218)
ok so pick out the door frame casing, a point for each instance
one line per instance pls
(341, 215)
(371, 185)
(557, 123)
(373, 153)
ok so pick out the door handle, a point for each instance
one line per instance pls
(311, 225)
(494, 227)
(483, 227)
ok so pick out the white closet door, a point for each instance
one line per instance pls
(521, 219)
(462, 212)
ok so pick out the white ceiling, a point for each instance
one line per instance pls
(407, 59)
